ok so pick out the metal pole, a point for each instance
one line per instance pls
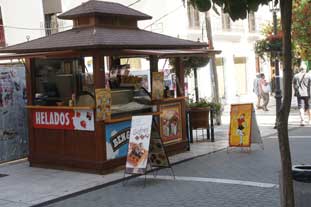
(196, 87)
(212, 125)
(278, 93)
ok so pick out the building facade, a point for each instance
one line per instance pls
(236, 65)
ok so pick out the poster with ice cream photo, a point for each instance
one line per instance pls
(138, 148)
(170, 122)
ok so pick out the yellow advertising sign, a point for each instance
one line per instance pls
(103, 104)
(240, 125)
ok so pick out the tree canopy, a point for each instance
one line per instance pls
(301, 28)
(237, 9)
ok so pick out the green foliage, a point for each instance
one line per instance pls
(204, 103)
(191, 63)
(301, 28)
(237, 9)
(301, 33)
(261, 48)
(267, 29)
(269, 44)
(202, 5)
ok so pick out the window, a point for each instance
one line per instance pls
(57, 79)
(240, 75)
(225, 19)
(251, 22)
(221, 76)
(193, 17)
(51, 25)
(51, 8)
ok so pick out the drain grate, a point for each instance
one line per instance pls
(3, 175)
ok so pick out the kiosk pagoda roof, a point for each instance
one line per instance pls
(101, 8)
(103, 25)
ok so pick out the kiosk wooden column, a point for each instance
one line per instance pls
(99, 82)
(153, 60)
(29, 91)
(180, 76)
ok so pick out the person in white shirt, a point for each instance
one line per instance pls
(301, 84)
(256, 90)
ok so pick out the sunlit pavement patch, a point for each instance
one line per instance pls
(215, 180)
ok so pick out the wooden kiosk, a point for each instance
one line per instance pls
(63, 128)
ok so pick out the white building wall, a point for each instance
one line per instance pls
(22, 14)
(170, 18)
(237, 42)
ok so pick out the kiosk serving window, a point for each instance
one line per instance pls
(62, 82)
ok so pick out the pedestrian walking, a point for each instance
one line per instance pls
(256, 89)
(264, 90)
(301, 84)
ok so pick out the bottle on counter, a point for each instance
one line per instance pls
(73, 99)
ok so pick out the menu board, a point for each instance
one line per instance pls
(240, 125)
(158, 157)
(138, 149)
(157, 85)
(103, 104)
(68, 119)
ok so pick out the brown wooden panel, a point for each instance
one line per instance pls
(48, 142)
(79, 145)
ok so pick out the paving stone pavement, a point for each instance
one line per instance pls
(172, 193)
(258, 165)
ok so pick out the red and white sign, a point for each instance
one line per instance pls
(63, 119)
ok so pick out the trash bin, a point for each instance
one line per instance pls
(302, 185)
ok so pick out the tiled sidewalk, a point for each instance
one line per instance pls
(26, 186)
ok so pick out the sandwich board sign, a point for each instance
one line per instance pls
(243, 126)
(139, 142)
(145, 147)
(157, 155)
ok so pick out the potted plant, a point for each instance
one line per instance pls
(191, 64)
(200, 110)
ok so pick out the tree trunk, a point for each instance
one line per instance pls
(214, 76)
(282, 116)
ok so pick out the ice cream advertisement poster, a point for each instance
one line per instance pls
(240, 125)
(157, 85)
(138, 148)
(170, 122)
(117, 138)
(103, 104)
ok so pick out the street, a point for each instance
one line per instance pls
(235, 178)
